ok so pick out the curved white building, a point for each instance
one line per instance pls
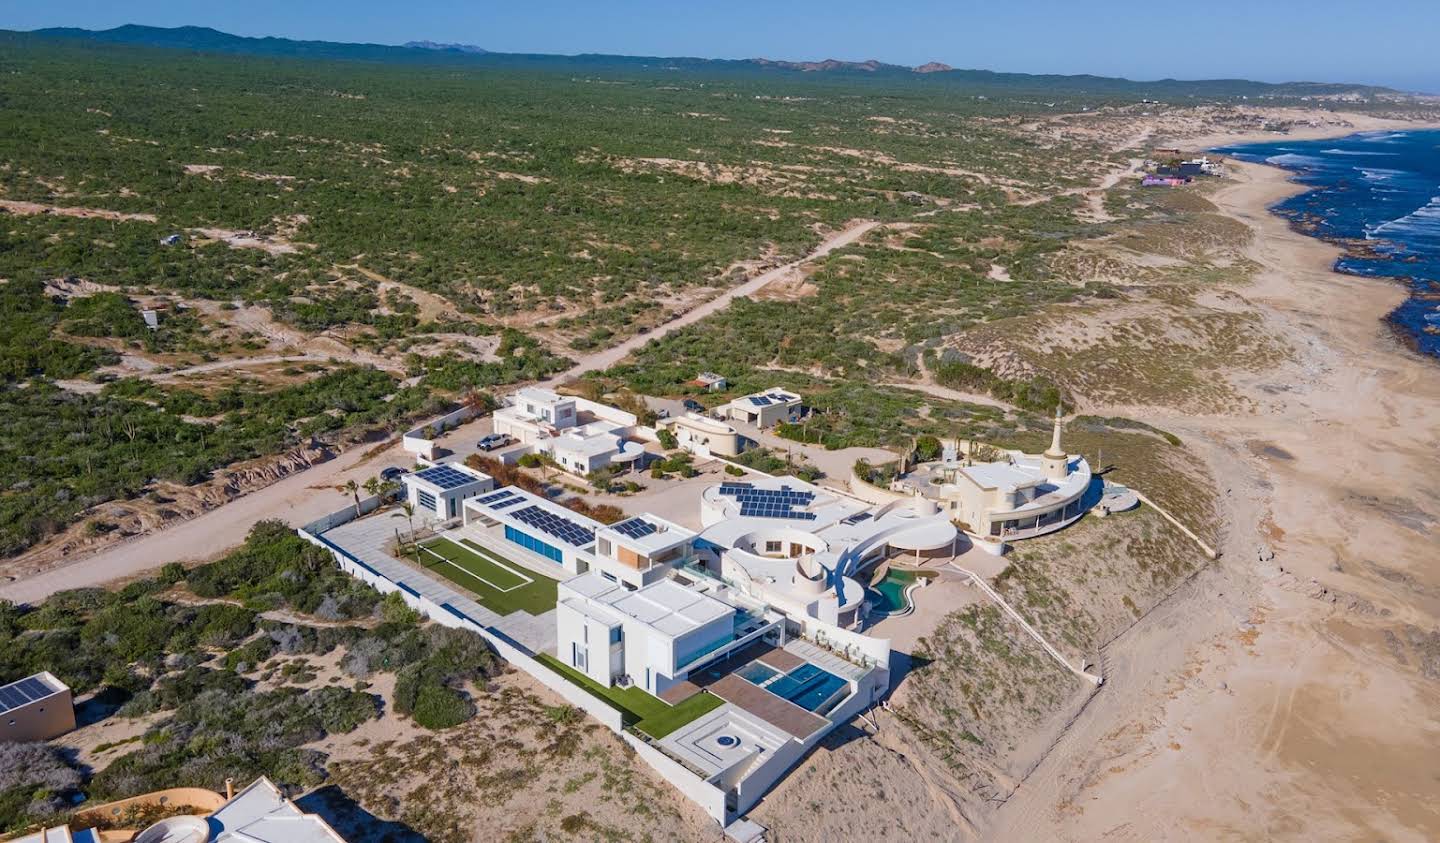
(797, 546)
(1018, 497)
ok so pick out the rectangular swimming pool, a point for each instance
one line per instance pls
(806, 686)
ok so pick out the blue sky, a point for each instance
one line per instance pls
(1388, 42)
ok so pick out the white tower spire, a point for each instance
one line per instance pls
(1055, 460)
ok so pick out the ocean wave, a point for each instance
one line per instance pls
(1355, 152)
(1424, 221)
(1292, 159)
(1382, 136)
(1380, 173)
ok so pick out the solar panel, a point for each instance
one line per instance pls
(507, 502)
(496, 496)
(561, 528)
(446, 477)
(23, 692)
(759, 401)
(635, 528)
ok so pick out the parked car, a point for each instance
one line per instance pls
(694, 406)
(493, 441)
(662, 413)
(392, 473)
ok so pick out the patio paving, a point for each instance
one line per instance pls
(366, 538)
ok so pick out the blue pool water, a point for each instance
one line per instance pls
(758, 672)
(807, 685)
(1377, 195)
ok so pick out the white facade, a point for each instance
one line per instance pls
(763, 409)
(441, 490)
(797, 546)
(580, 435)
(546, 529)
(640, 550)
(646, 636)
(703, 436)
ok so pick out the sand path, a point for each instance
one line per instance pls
(1275, 697)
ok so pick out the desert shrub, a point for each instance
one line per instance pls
(35, 778)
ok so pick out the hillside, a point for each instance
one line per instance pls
(204, 39)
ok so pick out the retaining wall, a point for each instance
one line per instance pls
(415, 441)
(710, 798)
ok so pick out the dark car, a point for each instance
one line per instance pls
(392, 473)
(694, 406)
(493, 441)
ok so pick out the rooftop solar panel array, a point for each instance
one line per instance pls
(494, 497)
(635, 528)
(769, 503)
(446, 477)
(23, 692)
(561, 528)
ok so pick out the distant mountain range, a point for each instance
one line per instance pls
(206, 40)
(434, 45)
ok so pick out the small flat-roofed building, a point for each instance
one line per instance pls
(641, 550)
(710, 382)
(36, 708)
(593, 446)
(763, 409)
(647, 636)
(704, 436)
(439, 491)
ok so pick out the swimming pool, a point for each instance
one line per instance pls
(888, 595)
(806, 686)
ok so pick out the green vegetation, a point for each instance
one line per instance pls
(489, 578)
(192, 649)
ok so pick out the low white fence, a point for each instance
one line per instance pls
(416, 442)
(447, 615)
(710, 798)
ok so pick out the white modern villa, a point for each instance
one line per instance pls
(762, 409)
(743, 625)
(704, 436)
(579, 434)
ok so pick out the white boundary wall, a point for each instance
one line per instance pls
(415, 441)
(447, 615)
(710, 798)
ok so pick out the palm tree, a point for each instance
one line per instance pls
(352, 489)
(408, 510)
(374, 486)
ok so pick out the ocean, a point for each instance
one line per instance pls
(1377, 195)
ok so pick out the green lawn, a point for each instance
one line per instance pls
(647, 713)
(502, 591)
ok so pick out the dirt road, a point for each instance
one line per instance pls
(309, 494)
(606, 358)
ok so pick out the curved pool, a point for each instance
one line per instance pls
(888, 596)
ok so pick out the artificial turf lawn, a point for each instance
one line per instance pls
(535, 598)
(645, 712)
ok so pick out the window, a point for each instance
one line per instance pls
(529, 542)
(425, 499)
(452, 507)
(616, 634)
(772, 547)
(605, 548)
(585, 633)
(647, 680)
(608, 576)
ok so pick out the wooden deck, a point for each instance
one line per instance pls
(782, 714)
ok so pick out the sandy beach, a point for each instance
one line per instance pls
(1289, 691)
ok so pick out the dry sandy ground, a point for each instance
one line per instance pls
(1293, 697)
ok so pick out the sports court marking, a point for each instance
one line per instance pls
(484, 559)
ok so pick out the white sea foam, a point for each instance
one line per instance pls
(1355, 152)
(1380, 173)
(1291, 159)
(1423, 221)
(1383, 136)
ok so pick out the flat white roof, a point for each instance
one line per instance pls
(504, 503)
(664, 605)
(446, 478)
(999, 475)
(591, 443)
(540, 394)
(261, 814)
(647, 533)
